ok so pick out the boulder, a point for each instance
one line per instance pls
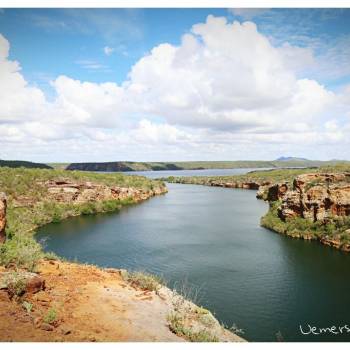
(35, 284)
(22, 282)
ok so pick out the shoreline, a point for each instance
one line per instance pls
(281, 188)
(189, 323)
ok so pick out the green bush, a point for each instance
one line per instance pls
(29, 206)
(51, 316)
(88, 208)
(177, 325)
(15, 283)
(21, 251)
(108, 206)
(27, 306)
(144, 280)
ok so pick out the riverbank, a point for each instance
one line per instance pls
(311, 204)
(43, 298)
(86, 303)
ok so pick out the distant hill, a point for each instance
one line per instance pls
(282, 162)
(23, 163)
(288, 159)
(106, 166)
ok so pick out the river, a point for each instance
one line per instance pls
(209, 239)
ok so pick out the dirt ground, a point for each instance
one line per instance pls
(91, 304)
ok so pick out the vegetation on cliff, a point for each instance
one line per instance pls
(314, 206)
(31, 204)
(257, 176)
(191, 165)
(335, 229)
(36, 197)
(310, 203)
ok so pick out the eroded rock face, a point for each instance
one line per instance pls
(3, 205)
(249, 185)
(276, 191)
(317, 197)
(67, 191)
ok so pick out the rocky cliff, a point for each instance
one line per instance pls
(3, 204)
(208, 181)
(61, 301)
(313, 206)
(304, 203)
(81, 192)
(316, 197)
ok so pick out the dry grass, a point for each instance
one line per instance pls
(143, 280)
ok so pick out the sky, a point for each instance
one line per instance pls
(174, 84)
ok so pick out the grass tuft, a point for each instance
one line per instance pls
(177, 325)
(51, 316)
(21, 251)
(15, 283)
(144, 280)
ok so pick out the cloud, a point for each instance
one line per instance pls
(89, 104)
(225, 89)
(240, 82)
(149, 132)
(309, 29)
(18, 100)
(108, 50)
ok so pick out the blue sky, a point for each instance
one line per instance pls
(102, 45)
(50, 42)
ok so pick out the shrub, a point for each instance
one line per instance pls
(202, 336)
(207, 319)
(22, 251)
(51, 316)
(51, 256)
(27, 306)
(88, 208)
(144, 280)
(110, 205)
(177, 325)
(15, 283)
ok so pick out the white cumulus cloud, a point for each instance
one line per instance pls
(225, 88)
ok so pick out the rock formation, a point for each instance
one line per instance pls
(81, 192)
(315, 197)
(3, 205)
(248, 185)
(273, 192)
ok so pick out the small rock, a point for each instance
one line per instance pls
(37, 321)
(35, 284)
(65, 330)
(47, 327)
